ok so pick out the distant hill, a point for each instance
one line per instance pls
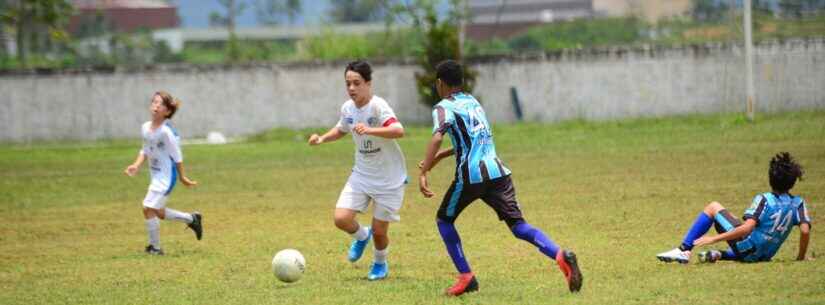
(195, 13)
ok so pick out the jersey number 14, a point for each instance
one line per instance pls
(782, 225)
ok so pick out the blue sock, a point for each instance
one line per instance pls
(700, 226)
(729, 255)
(453, 243)
(524, 231)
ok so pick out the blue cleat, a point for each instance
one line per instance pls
(356, 249)
(378, 272)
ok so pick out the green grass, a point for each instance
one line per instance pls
(71, 230)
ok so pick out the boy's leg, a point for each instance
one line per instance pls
(178, 216)
(152, 205)
(501, 197)
(381, 242)
(386, 210)
(715, 215)
(350, 202)
(457, 198)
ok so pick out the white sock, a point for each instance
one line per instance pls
(178, 216)
(361, 233)
(381, 255)
(153, 229)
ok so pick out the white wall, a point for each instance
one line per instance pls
(237, 101)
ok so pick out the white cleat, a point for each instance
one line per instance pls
(675, 255)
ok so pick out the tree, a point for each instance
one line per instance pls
(232, 10)
(37, 23)
(358, 10)
(796, 8)
(271, 11)
(441, 41)
(709, 10)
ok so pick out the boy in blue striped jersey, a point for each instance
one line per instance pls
(767, 223)
(480, 174)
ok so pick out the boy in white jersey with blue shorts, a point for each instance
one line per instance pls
(379, 174)
(767, 222)
(161, 146)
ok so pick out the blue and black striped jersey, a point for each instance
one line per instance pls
(463, 118)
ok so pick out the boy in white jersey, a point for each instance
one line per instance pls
(161, 146)
(379, 173)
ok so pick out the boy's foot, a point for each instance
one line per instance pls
(356, 249)
(570, 267)
(675, 255)
(151, 250)
(466, 283)
(710, 256)
(197, 225)
(378, 272)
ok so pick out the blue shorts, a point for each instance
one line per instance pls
(725, 222)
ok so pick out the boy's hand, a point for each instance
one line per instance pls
(188, 182)
(704, 240)
(361, 129)
(315, 139)
(131, 170)
(423, 187)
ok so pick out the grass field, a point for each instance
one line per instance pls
(71, 229)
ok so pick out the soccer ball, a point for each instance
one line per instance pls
(288, 265)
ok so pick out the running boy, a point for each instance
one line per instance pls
(768, 222)
(479, 174)
(379, 174)
(161, 145)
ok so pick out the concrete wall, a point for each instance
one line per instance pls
(596, 85)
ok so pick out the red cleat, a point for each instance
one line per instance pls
(466, 283)
(570, 267)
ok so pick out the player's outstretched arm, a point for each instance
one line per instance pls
(438, 156)
(740, 231)
(333, 134)
(804, 238)
(183, 179)
(133, 168)
(389, 132)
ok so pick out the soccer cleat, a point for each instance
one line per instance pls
(466, 283)
(197, 225)
(378, 272)
(356, 249)
(710, 256)
(570, 268)
(677, 255)
(151, 250)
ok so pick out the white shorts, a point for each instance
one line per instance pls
(387, 203)
(155, 200)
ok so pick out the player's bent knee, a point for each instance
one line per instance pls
(713, 207)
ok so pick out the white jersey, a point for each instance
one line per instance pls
(379, 163)
(162, 150)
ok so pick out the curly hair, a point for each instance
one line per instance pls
(783, 172)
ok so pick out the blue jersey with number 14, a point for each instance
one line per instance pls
(462, 117)
(775, 215)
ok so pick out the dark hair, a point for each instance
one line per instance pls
(450, 72)
(170, 102)
(360, 67)
(783, 172)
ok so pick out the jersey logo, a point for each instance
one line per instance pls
(348, 120)
(372, 121)
(161, 145)
(366, 147)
